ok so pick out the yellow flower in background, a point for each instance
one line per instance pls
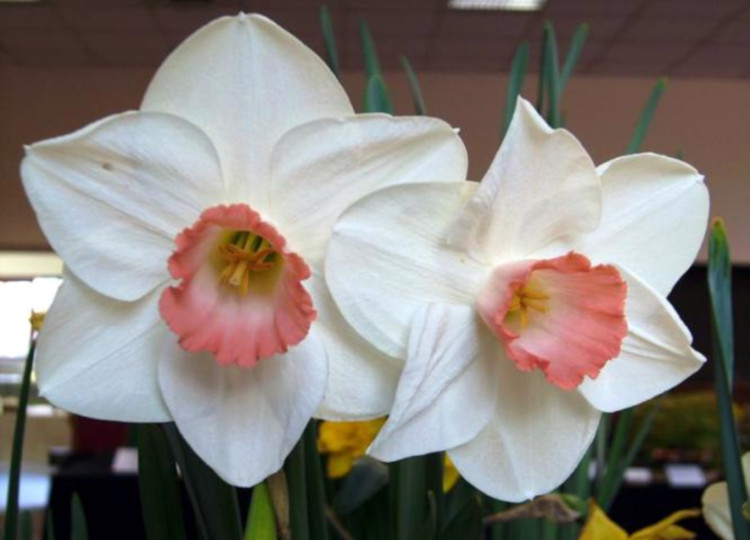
(600, 527)
(345, 442)
(450, 474)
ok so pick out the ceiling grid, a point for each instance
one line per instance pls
(682, 38)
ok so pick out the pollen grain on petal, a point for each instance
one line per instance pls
(562, 315)
(241, 295)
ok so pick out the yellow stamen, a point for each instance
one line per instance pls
(245, 253)
(527, 298)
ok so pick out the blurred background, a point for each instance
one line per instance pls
(65, 63)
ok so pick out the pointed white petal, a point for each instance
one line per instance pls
(388, 256)
(541, 185)
(716, 511)
(446, 394)
(654, 216)
(245, 81)
(361, 379)
(321, 168)
(243, 422)
(111, 197)
(655, 355)
(97, 357)
(533, 443)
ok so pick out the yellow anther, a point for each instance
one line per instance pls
(246, 253)
(525, 299)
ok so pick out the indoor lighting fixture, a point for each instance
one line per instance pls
(29, 264)
(500, 5)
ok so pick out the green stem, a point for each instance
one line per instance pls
(297, 482)
(14, 480)
(316, 484)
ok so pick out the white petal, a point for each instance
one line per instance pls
(446, 394)
(541, 185)
(654, 216)
(388, 256)
(245, 81)
(243, 422)
(361, 379)
(716, 510)
(321, 168)
(534, 442)
(111, 197)
(97, 357)
(655, 355)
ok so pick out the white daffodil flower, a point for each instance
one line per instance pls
(525, 305)
(194, 233)
(715, 502)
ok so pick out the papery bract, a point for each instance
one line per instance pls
(524, 305)
(211, 208)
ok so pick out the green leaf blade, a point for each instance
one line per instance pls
(515, 82)
(552, 75)
(720, 291)
(214, 501)
(78, 527)
(377, 97)
(261, 523)
(416, 92)
(332, 55)
(370, 53)
(316, 495)
(296, 477)
(159, 486)
(644, 121)
(574, 53)
(14, 475)
(367, 477)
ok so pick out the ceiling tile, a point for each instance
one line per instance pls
(592, 7)
(698, 9)
(391, 23)
(136, 19)
(127, 49)
(600, 28)
(721, 56)
(187, 19)
(633, 69)
(23, 40)
(639, 52)
(21, 17)
(668, 29)
(480, 24)
(736, 32)
(44, 47)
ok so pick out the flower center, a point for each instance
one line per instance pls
(246, 253)
(527, 297)
(562, 315)
(240, 296)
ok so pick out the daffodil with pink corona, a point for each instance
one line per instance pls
(524, 305)
(194, 231)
